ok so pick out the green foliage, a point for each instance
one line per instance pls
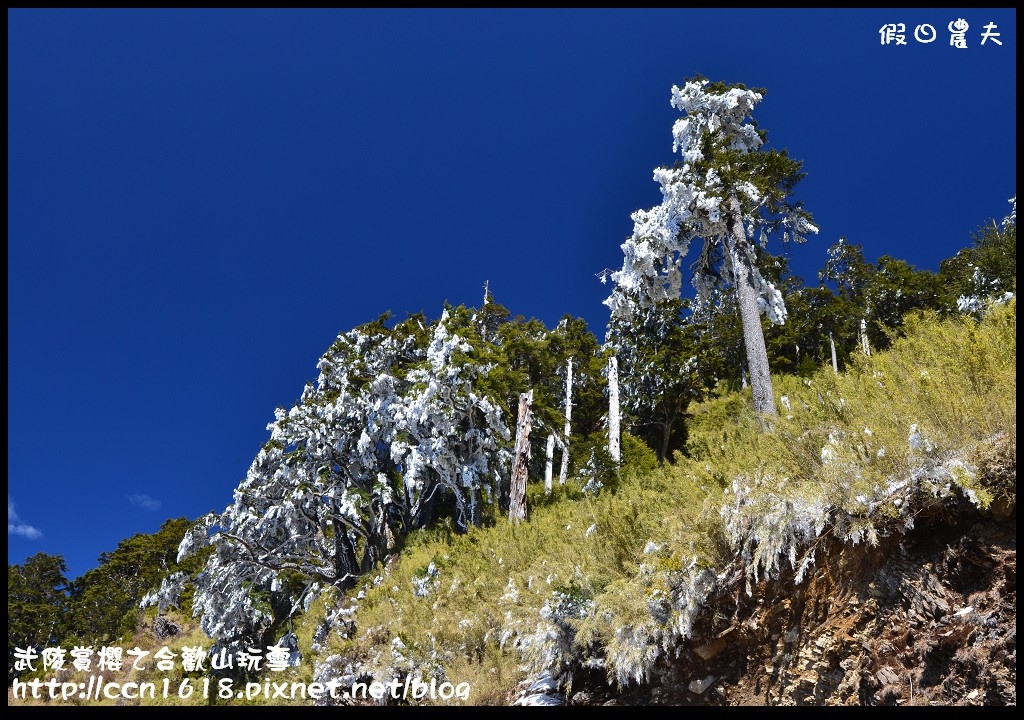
(658, 352)
(104, 602)
(36, 602)
(638, 459)
(884, 293)
(528, 356)
(720, 350)
(524, 355)
(773, 172)
(897, 288)
(45, 609)
(987, 267)
(849, 271)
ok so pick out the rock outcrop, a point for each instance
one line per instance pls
(924, 618)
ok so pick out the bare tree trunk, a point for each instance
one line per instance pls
(568, 424)
(750, 315)
(517, 498)
(613, 409)
(483, 325)
(864, 346)
(548, 464)
(835, 364)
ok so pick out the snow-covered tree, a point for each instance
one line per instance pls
(393, 433)
(725, 191)
(405, 426)
(449, 435)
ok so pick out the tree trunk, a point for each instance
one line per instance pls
(369, 558)
(750, 315)
(864, 346)
(483, 325)
(517, 494)
(832, 344)
(666, 436)
(613, 409)
(346, 569)
(568, 424)
(548, 464)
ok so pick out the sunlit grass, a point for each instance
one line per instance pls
(607, 576)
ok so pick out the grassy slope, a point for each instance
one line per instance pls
(618, 577)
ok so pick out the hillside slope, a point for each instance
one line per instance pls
(929, 618)
(862, 551)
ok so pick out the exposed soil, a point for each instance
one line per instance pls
(924, 618)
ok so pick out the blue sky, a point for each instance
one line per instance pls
(199, 201)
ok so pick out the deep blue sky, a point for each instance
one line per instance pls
(200, 200)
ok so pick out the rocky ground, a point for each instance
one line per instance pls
(924, 618)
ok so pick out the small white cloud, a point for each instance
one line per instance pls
(144, 501)
(16, 527)
(26, 531)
